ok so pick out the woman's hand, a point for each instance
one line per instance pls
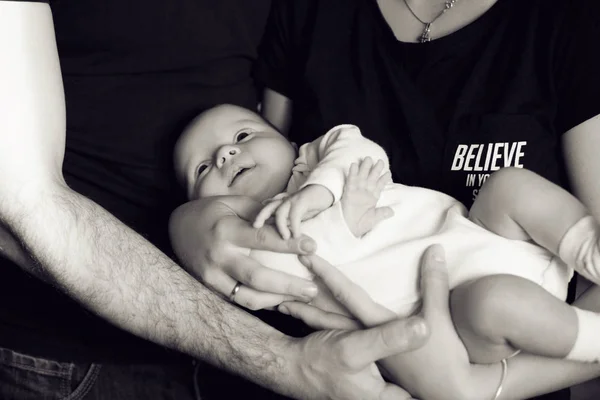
(443, 360)
(208, 237)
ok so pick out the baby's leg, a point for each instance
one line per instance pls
(519, 204)
(498, 314)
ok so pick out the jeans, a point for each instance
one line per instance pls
(23, 377)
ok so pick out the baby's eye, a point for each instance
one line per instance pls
(241, 136)
(201, 169)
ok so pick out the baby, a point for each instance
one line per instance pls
(375, 231)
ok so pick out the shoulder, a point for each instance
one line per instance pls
(306, 13)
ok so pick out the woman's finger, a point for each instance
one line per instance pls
(434, 280)
(239, 233)
(317, 318)
(258, 277)
(246, 296)
(391, 338)
(350, 295)
(218, 281)
(255, 300)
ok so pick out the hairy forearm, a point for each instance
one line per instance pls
(117, 274)
(11, 249)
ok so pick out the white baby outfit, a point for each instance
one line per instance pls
(385, 261)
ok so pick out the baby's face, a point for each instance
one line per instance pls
(232, 151)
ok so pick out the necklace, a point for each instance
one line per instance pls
(425, 37)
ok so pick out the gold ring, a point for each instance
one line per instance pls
(234, 291)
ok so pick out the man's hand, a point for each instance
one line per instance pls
(291, 210)
(362, 191)
(212, 252)
(340, 364)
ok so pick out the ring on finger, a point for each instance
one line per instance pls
(234, 291)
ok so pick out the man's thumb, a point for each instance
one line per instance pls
(396, 336)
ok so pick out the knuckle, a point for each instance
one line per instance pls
(392, 338)
(214, 257)
(207, 275)
(251, 304)
(344, 355)
(221, 229)
(260, 235)
(340, 296)
(250, 277)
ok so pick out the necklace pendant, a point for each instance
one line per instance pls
(425, 35)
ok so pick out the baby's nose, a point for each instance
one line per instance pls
(225, 154)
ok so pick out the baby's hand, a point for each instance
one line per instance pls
(361, 194)
(291, 210)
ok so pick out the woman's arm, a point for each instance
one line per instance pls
(440, 369)
(228, 215)
(277, 109)
(530, 375)
(581, 146)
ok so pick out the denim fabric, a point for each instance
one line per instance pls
(23, 377)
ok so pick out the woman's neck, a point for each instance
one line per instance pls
(407, 27)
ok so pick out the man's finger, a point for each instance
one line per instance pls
(317, 318)
(434, 280)
(350, 295)
(256, 276)
(362, 347)
(241, 234)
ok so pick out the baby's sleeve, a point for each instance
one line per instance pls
(336, 151)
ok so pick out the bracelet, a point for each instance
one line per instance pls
(502, 379)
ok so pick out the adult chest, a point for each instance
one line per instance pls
(141, 36)
(448, 114)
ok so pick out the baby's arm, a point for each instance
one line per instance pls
(329, 159)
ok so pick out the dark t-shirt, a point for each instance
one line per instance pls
(499, 92)
(135, 72)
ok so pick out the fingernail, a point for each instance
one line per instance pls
(308, 245)
(418, 327)
(305, 261)
(309, 291)
(437, 253)
(283, 310)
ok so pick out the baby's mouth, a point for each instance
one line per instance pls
(238, 174)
